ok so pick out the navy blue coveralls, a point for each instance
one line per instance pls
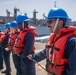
(16, 60)
(6, 55)
(17, 63)
(27, 66)
(1, 58)
(70, 54)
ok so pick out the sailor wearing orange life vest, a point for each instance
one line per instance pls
(60, 50)
(1, 58)
(14, 33)
(6, 52)
(1, 31)
(24, 45)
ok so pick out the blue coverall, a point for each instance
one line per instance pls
(17, 63)
(6, 55)
(1, 58)
(27, 66)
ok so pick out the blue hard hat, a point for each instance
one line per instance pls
(7, 25)
(13, 24)
(1, 29)
(22, 18)
(57, 13)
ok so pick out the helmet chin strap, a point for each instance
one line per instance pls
(56, 24)
(22, 25)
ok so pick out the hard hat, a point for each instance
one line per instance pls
(13, 24)
(57, 13)
(7, 25)
(22, 18)
(0, 28)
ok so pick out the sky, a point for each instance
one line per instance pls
(41, 6)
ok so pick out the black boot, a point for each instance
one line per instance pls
(8, 73)
(4, 71)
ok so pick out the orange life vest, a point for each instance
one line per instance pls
(1, 33)
(55, 50)
(19, 43)
(12, 39)
(3, 37)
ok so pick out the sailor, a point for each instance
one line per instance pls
(14, 33)
(24, 44)
(60, 49)
(6, 52)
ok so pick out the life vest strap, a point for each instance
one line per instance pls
(56, 48)
(48, 46)
(48, 62)
(18, 47)
(11, 38)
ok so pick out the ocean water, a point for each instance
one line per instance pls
(42, 39)
(42, 30)
(43, 33)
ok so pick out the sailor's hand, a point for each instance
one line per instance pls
(7, 49)
(29, 56)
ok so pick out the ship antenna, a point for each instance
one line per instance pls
(55, 4)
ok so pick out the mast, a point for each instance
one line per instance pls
(55, 4)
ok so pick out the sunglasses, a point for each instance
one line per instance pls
(50, 21)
